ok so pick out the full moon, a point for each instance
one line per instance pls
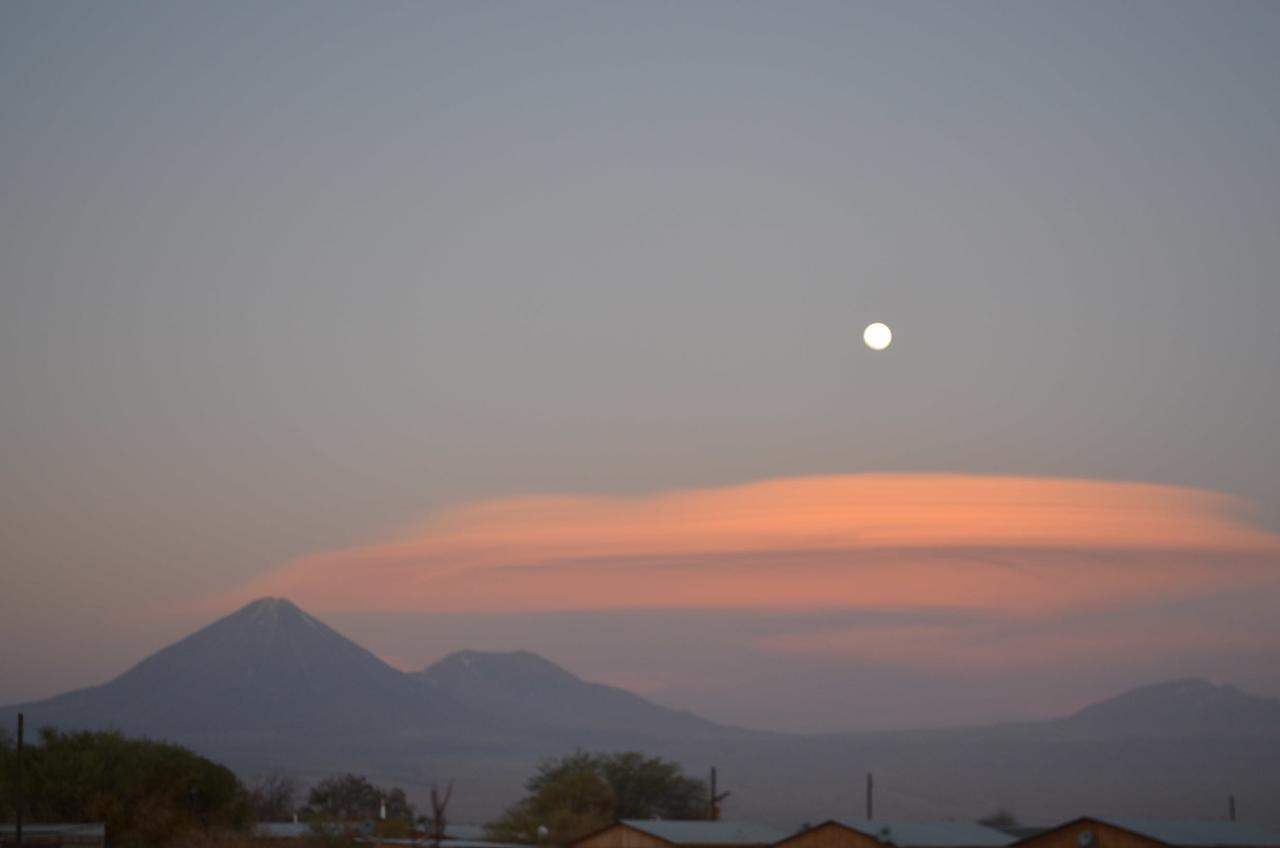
(877, 336)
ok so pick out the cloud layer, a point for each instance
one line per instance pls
(1010, 546)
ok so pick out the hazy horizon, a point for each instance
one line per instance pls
(539, 326)
(758, 707)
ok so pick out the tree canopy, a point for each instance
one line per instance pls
(1000, 818)
(351, 797)
(581, 792)
(273, 797)
(146, 792)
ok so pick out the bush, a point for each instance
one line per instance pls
(148, 793)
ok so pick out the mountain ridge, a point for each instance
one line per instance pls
(270, 688)
(270, 644)
(526, 688)
(1186, 705)
(265, 670)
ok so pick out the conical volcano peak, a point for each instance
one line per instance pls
(266, 671)
(525, 666)
(270, 607)
(270, 610)
(270, 603)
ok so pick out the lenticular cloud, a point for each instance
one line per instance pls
(875, 541)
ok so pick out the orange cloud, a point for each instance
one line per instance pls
(857, 541)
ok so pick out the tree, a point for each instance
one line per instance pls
(439, 804)
(1000, 818)
(573, 795)
(273, 797)
(148, 793)
(351, 797)
(649, 787)
(345, 797)
(398, 806)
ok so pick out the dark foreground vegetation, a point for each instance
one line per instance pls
(148, 793)
(157, 794)
(153, 794)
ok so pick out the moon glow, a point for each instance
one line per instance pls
(877, 336)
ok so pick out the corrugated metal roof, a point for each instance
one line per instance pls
(302, 830)
(450, 843)
(1201, 834)
(707, 832)
(1023, 831)
(474, 832)
(62, 829)
(281, 830)
(932, 834)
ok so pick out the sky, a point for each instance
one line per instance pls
(538, 326)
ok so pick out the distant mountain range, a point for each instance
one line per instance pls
(271, 688)
(524, 690)
(264, 673)
(271, 673)
(1181, 708)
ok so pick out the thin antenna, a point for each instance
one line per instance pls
(716, 798)
(870, 786)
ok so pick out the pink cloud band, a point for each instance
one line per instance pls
(1006, 544)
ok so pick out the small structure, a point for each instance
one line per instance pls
(1091, 832)
(88, 835)
(901, 834)
(659, 833)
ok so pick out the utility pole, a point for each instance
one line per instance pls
(18, 829)
(716, 798)
(869, 789)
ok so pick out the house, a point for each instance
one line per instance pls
(901, 834)
(1091, 832)
(659, 833)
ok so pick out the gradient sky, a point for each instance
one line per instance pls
(538, 325)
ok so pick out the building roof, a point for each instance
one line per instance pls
(1193, 833)
(302, 830)
(452, 843)
(97, 829)
(281, 830)
(1022, 831)
(707, 832)
(932, 834)
(474, 832)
